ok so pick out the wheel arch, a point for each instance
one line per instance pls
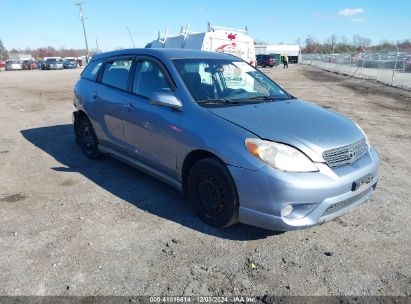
(191, 158)
(78, 116)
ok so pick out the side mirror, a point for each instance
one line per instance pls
(166, 99)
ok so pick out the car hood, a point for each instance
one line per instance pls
(309, 127)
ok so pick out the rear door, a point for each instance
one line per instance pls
(109, 98)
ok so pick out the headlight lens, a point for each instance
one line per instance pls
(280, 156)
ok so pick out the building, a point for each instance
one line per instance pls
(293, 51)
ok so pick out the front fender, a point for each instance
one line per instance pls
(210, 133)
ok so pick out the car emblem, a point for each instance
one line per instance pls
(352, 153)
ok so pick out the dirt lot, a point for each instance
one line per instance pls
(73, 226)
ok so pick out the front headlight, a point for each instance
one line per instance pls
(280, 156)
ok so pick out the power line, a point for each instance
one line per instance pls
(79, 4)
(134, 45)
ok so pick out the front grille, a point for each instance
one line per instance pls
(345, 154)
(340, 205)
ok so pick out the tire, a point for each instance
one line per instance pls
(88, 139)
(263, 65)
(212, 191)
(76, 128)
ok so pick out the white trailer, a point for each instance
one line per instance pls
(217, 39)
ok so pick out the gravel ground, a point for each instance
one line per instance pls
(74, 226)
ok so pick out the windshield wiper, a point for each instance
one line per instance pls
(263, 98)
(218, 100)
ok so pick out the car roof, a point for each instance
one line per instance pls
(166, 52)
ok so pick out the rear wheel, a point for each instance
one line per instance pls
(263, 65)
(88, 139)
(212, 191)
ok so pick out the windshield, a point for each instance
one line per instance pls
(222, 81)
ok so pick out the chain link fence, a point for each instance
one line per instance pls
(392, 68)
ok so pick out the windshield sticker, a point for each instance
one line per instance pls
(233, 80)
(262, 81)
(232, 76)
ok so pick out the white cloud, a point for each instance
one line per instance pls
(358, 20)
(350, 11)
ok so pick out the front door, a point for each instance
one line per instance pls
(151, 132)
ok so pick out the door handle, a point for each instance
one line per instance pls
(130, 107)
(94, 95)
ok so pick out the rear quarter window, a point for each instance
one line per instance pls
(91, 70)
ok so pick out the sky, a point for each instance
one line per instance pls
(38, 23)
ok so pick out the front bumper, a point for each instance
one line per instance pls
(14, 68)
(317, 197)
(55, 67)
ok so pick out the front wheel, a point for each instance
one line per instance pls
(212, 191)
(88, 139)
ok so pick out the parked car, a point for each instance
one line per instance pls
(53, 64)
(266, 60)
(407, 63)
(40, 64)
(2, 65)
(214, 127)
(357, 59)
(70, 64)
(29, 65)
(13, 65)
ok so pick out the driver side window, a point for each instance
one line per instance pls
(149, 79)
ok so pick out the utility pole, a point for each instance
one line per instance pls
(84, 27)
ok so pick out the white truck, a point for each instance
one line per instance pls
(216, 39)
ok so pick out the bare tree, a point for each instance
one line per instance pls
(332, 42)
(344, 45)
(361, 42)
(334, 39)
(311, 45)
(4, 55)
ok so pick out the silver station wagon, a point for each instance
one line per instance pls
(217, 129)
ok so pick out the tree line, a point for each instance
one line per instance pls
(41, 52)
(335, 44)
(332, 44)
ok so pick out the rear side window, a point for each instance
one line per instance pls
(149, 79)
(91, 70)
(116, 73)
